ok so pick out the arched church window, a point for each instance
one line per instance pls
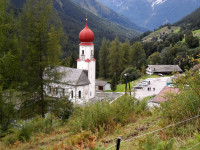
(72, 93)
(79, 94)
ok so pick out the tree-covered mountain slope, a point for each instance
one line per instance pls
(73, 19)
(191, 21)
(102, 11)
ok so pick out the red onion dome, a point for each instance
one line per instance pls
(86, 35)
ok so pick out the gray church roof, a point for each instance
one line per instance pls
(72, 76)
(165, 68)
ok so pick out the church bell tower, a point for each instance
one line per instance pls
(86, 59)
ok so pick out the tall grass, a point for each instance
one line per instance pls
(104, 115)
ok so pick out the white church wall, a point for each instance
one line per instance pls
(82, 65)
(92, 77)
(86, 51)
(60, 90)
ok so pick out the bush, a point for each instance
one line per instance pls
(24, 134)
(10, 139)
(62, 108)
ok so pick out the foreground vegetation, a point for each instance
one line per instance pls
(96, 126)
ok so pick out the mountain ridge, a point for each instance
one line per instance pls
(153, 13)
(106, 13)
(73, 19)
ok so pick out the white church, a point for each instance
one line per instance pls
(78, 84)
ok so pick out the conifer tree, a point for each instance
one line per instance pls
(103, 59)
(125, 53)
(69, 61)
(137, 55)
(9, 69)
(114, 58)
(114, 82)
(9, 50)
(40, 33)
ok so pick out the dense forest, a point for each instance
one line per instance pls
(190, 22)
(169, 49)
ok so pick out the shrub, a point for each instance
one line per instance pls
(10, 139)
(90, 116)
(186, 104)
(83, 140)
(24, 134)
(123, 108)
(62, 108)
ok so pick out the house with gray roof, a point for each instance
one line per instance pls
(102, 85)
(163, 69)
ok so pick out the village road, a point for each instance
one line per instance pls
(157, 83)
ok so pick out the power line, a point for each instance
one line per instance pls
(157, 130)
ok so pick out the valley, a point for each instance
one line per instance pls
(82, 74)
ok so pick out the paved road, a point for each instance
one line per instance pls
(157, 83)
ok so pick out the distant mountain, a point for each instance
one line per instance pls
(104, 12)
(73, 19)
(191, 21)
(152, 13)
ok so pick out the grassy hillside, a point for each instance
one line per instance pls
(131, 124)
(162, 31)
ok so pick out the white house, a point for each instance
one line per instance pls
(102, 85)
(78, 84)
(164, 69)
